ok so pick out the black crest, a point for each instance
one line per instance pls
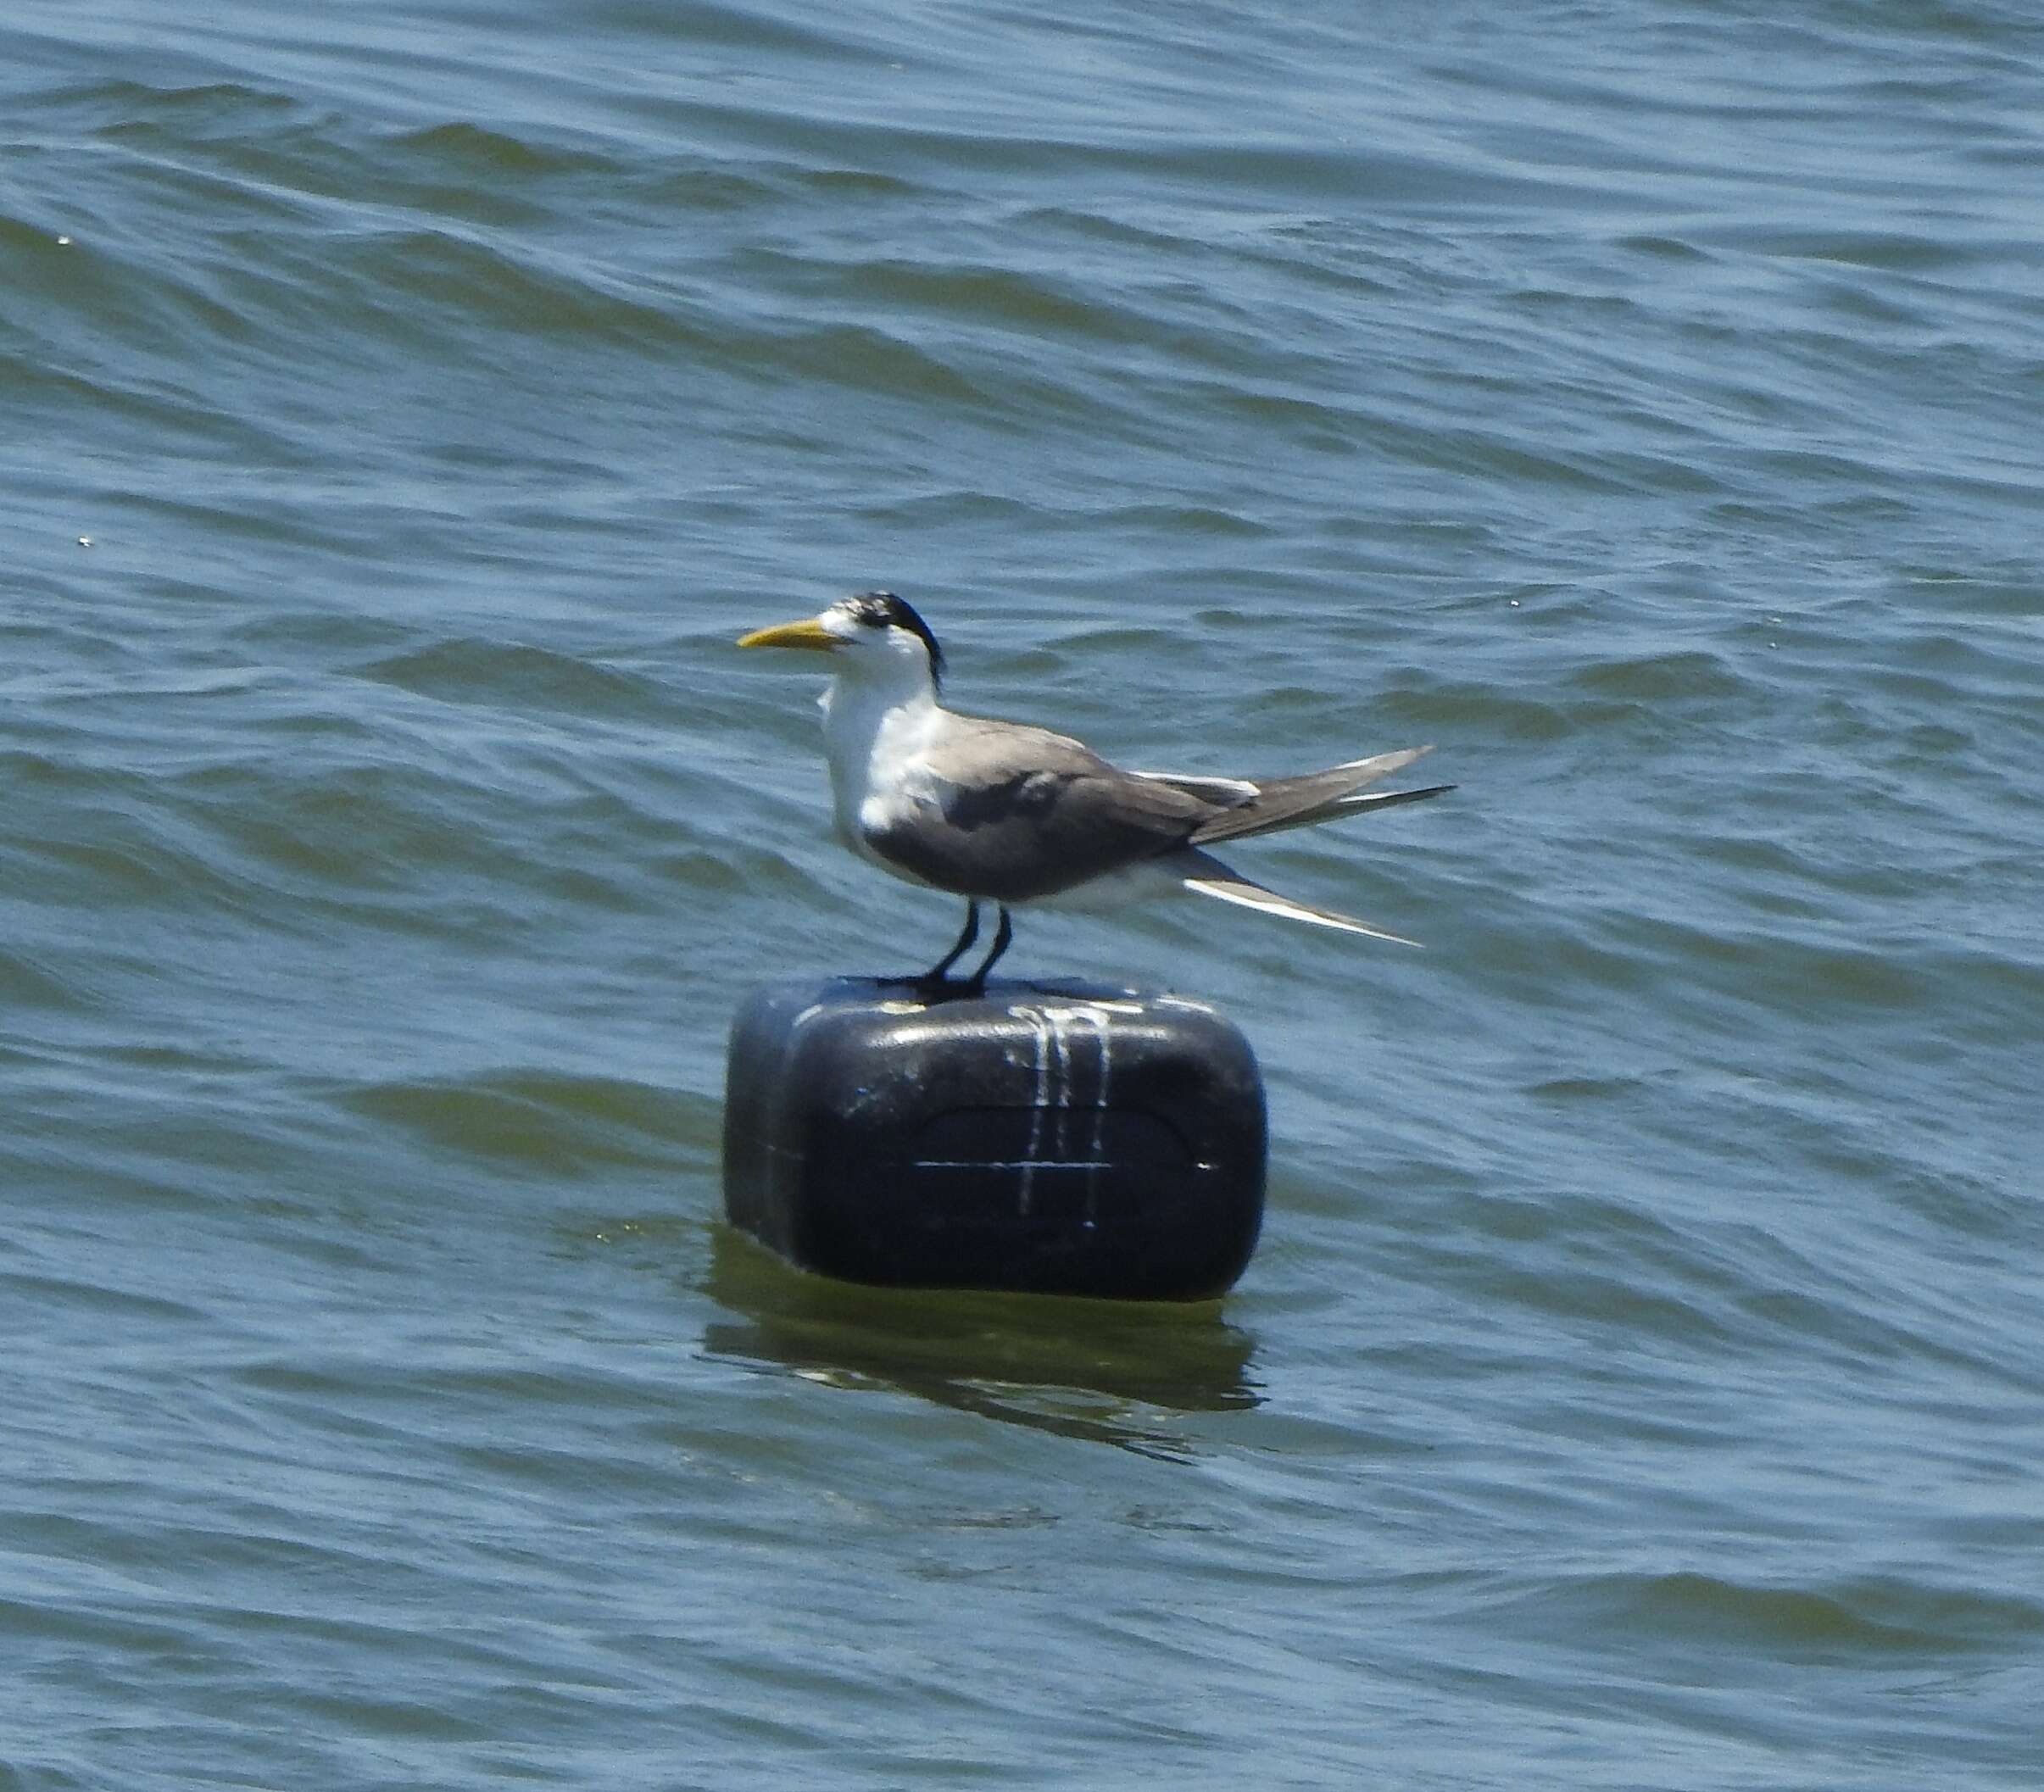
(883, 609)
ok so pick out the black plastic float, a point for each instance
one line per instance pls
(1050, 1138)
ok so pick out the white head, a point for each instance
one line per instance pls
(874, 639)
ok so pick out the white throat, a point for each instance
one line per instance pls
(875, 731)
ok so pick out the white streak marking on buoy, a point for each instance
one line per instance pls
(1060, 1090)
(1039, 1031)
(1052, 1066)
(1095, 1014)
(1101, 1091)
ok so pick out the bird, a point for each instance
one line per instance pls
(1010, 814)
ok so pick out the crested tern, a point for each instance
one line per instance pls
(1001, 812)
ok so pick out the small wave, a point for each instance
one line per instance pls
(757, 29)
(550, 1123)
(416, 274)
(100, 1299)
(516, 676)
(1684, 1612)
(25, 983)
(1692, 676)
(478, 153)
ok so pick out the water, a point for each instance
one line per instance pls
(1640, 1381)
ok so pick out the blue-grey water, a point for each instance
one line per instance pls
(403, 407)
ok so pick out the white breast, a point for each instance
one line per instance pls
(877, 744)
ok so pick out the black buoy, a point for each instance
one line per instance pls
(1048, 1137)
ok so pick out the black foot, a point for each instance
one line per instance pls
(930, 988)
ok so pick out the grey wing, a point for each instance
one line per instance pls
(1020, 812)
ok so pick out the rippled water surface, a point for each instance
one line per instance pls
(1640, 1383)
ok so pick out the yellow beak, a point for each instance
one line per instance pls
(811, 633)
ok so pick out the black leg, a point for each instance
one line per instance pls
(976, 983)
(937, 972)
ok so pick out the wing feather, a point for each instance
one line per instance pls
(1013, 813)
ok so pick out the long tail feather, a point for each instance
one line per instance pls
(1210, 877)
